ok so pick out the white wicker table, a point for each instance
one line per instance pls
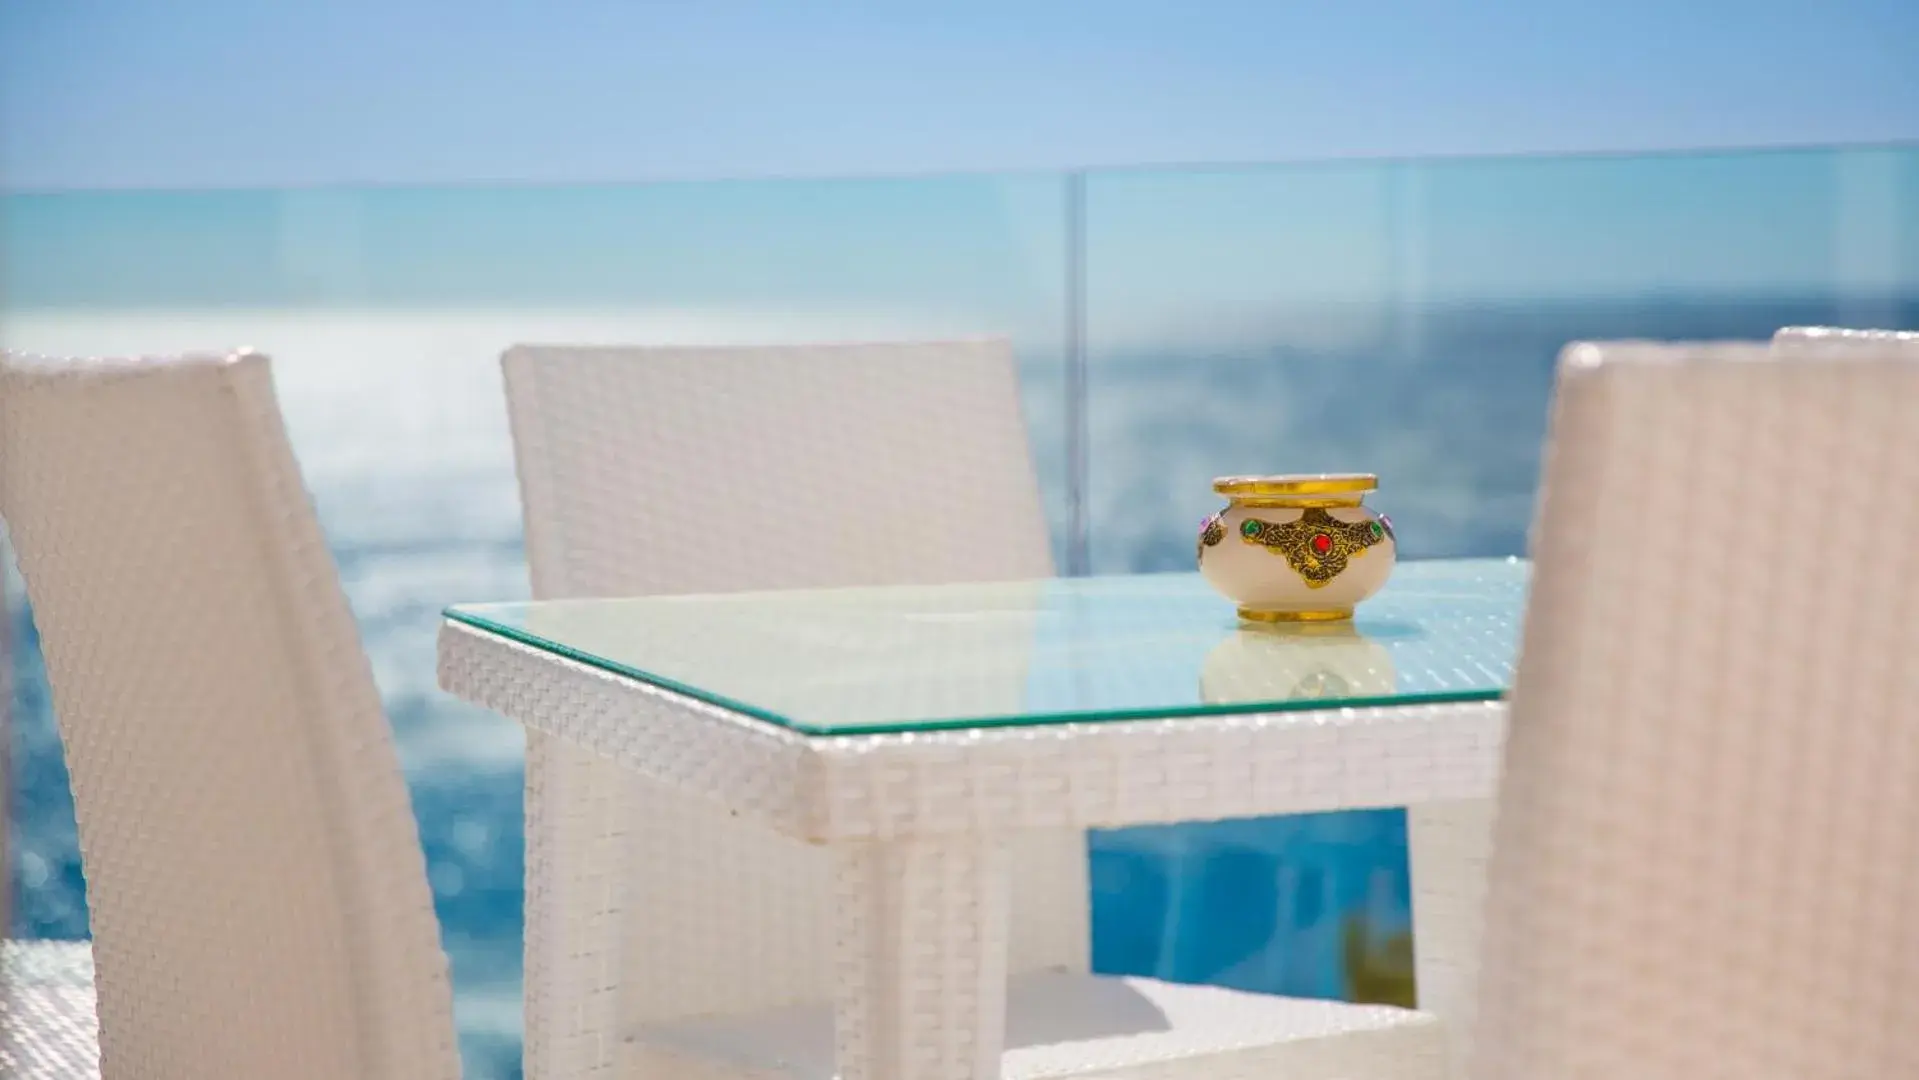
(912, 731)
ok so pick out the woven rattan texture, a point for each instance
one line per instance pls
(920, 959)
(675, 470)
(47, 1025)
(257, 892)
(1450, 845)
(921, 784)
(1707, 852)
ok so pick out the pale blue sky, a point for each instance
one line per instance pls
(246, 93)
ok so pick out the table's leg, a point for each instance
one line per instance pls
(576, 812)
(1450, 844)
(920, 959)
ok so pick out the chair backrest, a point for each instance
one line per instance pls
(1707, 848)
(675, 470)
(256, 887)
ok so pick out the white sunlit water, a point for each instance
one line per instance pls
(399, 424)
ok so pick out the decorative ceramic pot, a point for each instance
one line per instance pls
(1330, 661)
(1296, 548)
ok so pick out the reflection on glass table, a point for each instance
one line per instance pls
(1298, 662)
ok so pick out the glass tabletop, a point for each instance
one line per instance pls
(845, 661)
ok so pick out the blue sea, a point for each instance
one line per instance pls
(1395, 318)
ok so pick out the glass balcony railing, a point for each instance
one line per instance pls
(1173, 325)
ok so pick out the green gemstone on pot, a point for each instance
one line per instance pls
(1249, 527)
(1378, 530)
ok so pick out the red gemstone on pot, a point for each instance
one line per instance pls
(1322, 543)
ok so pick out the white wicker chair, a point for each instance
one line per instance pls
(258, 896)
(1707, 851)
(880, 464)
(1451, 843)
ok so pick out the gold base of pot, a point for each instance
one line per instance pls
(1327, 615)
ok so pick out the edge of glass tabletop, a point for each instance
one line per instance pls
(474, 616)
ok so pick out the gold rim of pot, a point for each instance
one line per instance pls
(1239, 487)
